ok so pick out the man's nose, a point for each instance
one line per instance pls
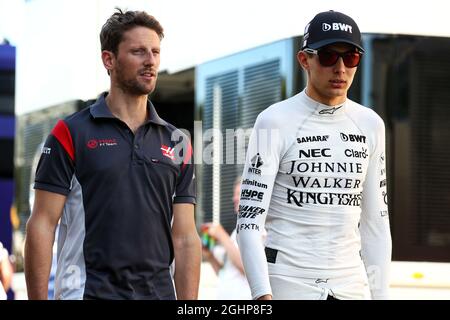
(339, 65)
(150, 59)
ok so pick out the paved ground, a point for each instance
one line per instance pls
(410, 281)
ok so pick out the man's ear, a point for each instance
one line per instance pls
(108, 59)
(302, 59)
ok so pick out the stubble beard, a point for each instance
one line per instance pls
(133, 86)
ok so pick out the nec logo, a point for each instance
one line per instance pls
(168, 151)
(335, 26)
(314, 153)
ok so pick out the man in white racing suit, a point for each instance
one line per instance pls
(315, 177)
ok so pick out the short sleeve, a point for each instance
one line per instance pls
(185, 189)
(56, 165)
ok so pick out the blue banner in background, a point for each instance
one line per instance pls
(7, 126)
(8, 58)
(6, 199)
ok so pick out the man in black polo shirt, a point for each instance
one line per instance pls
(121, 181)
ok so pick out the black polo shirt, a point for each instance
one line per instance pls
(115, 232)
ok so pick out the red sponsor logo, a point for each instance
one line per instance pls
(168, 151)
(94, 143)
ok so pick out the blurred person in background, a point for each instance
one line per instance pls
(225, 257)
(6, 272)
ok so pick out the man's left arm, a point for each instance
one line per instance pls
(188, 251)
(376, 243)
(186, 241)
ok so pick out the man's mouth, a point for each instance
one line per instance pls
(338, 81)
(148, 74)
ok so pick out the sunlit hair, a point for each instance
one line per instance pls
(120, 22)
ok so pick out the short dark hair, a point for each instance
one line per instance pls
(122, 21)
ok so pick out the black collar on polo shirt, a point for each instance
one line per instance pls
(100, 110)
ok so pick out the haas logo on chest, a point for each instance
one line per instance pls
(168, 151)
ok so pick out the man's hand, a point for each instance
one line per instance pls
(216, 231)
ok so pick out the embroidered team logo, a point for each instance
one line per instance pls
(329, 110)
(94, 143)
(168, 152)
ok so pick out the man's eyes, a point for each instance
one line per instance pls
(139, 51)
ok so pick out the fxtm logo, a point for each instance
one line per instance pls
(247, 226)
(335, 26)
(254, 183)
(249, 212)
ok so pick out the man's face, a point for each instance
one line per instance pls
(328, 85)
(137, 62)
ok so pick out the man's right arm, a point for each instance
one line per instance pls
(261, 168)
(376, 242)
(54, 174)
(41, 226)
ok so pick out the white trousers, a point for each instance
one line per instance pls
(349, 287)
